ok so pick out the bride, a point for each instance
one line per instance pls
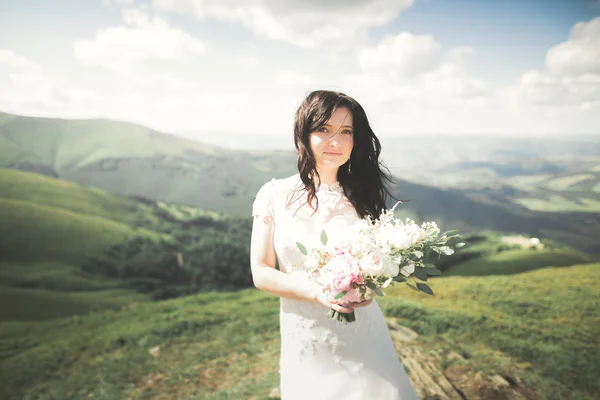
(339, 182)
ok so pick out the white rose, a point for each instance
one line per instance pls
(394, 237)
(401, 240)
(415, 234)
(407, 270)
(360, 225)
(372, 263)
(390, 267)
(361, 247)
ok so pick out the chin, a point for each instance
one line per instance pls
(331, 164)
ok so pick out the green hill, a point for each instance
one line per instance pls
(33, 232)
(470, 213)
(49, 227)
(65, 144)
(525, 327)
(132, 160)
(65, 195)
(69, 249)
(516, 261)
(494, 253)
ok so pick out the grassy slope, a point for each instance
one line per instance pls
(48, 227)
(57, 193)
(32, 304)
(516, 261)
(494, 253)
(34, 233)
(63, 143)
(220, 346)
(127, 159)
(568, 192)
(542, 324)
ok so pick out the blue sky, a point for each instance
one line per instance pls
(418, 67)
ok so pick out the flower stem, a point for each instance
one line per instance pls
(342, 317)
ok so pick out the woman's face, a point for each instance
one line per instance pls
(332, 143)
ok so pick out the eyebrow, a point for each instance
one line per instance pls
(343, 126)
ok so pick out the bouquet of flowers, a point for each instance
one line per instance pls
(376, 253)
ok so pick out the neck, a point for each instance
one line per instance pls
(328, 175)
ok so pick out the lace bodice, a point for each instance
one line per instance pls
(285, 200)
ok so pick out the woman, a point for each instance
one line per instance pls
(339, 181)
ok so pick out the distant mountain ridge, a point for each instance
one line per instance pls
(132, 160)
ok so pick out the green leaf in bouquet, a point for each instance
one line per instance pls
(450, 233)
(413, 287)
(425, 288)
(399, 278)
(432, 271)
(453, 241)
(302, 248)
(341, 294)
(372, 286)
(323, 237)
(420, 273)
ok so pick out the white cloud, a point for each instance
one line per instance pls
(248, 61)
(293, 78)
(459, 55)
(11, 59)
(414, 85)
(408, 83)
(142, 38)
(412, 71)
(27, 89)
(580, 54)
(404, 54)
(572, 77)
(307, 24)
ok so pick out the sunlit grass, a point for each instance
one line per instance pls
(35, 232)
(557, 203)
(565, 183)
(540, 325)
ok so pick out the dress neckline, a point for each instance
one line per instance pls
(323, 187)
(330, 188)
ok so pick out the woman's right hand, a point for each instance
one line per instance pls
(323, 298)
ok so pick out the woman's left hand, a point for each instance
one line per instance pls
(363, 303)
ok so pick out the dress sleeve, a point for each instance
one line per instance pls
(263, 203)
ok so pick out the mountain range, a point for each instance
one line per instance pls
(133, 160)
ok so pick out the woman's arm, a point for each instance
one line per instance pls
(269, 279)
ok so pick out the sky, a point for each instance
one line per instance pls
(213, 67)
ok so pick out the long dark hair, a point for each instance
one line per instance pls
(365, 186)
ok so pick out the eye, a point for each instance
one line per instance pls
(347, 132)
(322, 129)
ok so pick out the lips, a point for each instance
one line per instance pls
(332, 153)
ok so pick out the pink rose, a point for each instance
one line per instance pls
(340, 272)
(351, 297)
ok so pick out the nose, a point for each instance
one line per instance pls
(334, 139)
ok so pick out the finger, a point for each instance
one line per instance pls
(363, 303)
(342, 309)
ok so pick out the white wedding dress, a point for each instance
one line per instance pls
(323, 359)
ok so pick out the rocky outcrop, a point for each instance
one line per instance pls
(456, 382)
